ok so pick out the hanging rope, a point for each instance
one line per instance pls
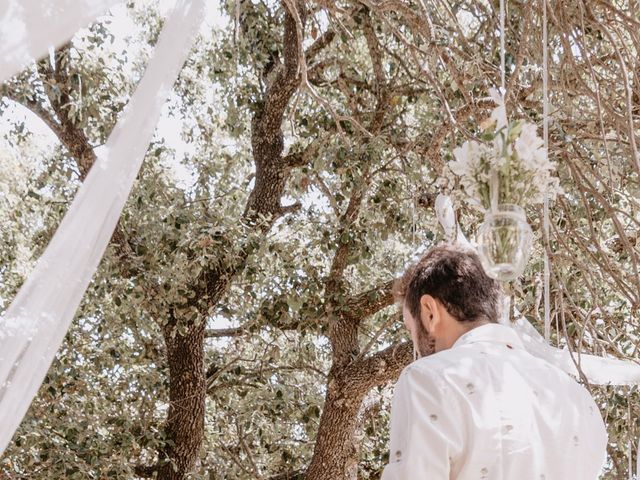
(503, 83)
(629, 443)
(494, 184)
(545, 136)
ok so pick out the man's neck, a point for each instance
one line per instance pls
(458, 329)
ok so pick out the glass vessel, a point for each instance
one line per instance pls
(504, 242)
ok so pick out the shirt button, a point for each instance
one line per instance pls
(507, 428)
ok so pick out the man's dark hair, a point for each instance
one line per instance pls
(454, 276)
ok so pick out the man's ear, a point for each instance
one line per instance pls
(429, 313)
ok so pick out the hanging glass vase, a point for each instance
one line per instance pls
(504, 242)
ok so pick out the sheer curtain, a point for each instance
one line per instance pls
(29, 27)
(598, 370)
(35, 324)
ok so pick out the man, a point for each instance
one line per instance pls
(482, 407)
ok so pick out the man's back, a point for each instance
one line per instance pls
(487, 409)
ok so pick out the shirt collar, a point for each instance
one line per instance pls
(492, 333)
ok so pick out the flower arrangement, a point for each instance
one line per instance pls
(509, 165)
(501, 174)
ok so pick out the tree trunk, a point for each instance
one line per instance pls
(337, 450)
(185, 421)
(336, 454)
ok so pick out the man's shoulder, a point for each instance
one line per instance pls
(470, 361)
(444, 364)
(452, 358)
(474, 360)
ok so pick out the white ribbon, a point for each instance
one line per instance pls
(29, 27)
(35, 324)
(597, 370)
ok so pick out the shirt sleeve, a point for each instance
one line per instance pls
(426, 428)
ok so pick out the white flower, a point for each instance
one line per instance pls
(460, 165)
(528, 147)
(499, 114)
(495, 156)
(516, 154)
(467, 158)
(541, 158)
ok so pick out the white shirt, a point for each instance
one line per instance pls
(487, 409)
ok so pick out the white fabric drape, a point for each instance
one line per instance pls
(598, 370)
(29, 27)
(35, 324)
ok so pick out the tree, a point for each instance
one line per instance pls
(312, 139)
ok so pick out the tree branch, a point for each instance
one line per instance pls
(71, 136)
(267, 139)
(367, 303)
(316, 47)
(226, 332)
(381, 367)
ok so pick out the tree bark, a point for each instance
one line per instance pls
(336, 452)
(184, 428)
